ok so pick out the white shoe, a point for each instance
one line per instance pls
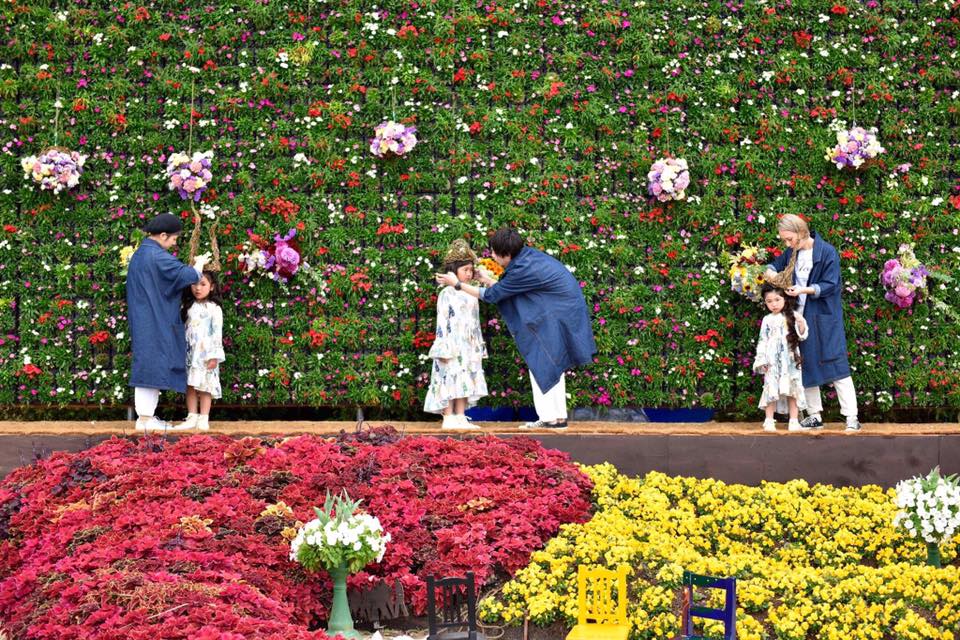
(536, 424)
(770, 425)
(152, 424)
(203, 423)
(465, 422)
(189, 424)
(454, 421)
(794, 425)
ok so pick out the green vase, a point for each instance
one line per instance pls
(341, 622)
(933, 554)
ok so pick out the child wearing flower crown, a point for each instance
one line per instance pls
(456, 379)
(204, 325)
(778, 358)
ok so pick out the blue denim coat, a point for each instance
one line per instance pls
(546, 314)
(155, 283)
(825, 350)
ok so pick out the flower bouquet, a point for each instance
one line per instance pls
(929, 510)
(392, 139)
(746, 271)
(190, 175)
(904, 278)
(55, 169)
(280, 259)
(854, 147)
(340, 540)
(489, 268)
(668, 177)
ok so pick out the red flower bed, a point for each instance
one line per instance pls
(150, 539)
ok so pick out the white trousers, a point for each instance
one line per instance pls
(846, 394)
(551, 405)
(145, 401)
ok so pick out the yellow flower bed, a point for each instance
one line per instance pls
(811, 561)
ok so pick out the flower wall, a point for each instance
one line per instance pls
(546, 115)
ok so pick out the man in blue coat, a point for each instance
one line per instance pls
(545, 311)
(815, 267)
(155, 283)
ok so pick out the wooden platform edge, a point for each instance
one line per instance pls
(288, 428)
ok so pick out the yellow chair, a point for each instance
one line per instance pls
(599, 616)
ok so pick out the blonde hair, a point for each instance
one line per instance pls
(794, 224)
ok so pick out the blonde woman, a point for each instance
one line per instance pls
(809, 271)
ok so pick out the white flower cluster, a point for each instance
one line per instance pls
(359, 530)
(929, 507)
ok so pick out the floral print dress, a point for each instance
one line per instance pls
(460, 343)
(783, 377)
(204, 343)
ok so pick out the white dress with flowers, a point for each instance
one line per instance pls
(460, 343)
(204, 343)
(783, 378)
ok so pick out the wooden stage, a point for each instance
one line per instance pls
(730, 451)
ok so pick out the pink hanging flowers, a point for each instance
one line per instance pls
(190, 176)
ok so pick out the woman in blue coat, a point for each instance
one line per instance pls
(815, 268)
(544, 309)
(155, 283)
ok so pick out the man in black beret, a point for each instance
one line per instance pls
(155, 283)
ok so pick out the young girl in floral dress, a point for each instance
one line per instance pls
(778, 358)
(456, 379)
(204, 325)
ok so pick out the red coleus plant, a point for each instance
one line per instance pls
(151, 539)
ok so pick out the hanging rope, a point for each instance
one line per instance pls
(214, 264)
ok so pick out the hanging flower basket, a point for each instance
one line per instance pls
(392, 140)
(190, 176)
(668, 178)
(279, 260)
(746, 271)
(856, 148)
(55, 169)
(904, 278)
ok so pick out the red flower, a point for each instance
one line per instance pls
(99, 337)
(424, 339)
(839, 10)
(9, 228)
(475, 128)
(802, 38)
(30, 370)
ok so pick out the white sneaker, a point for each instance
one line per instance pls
(203, 422)
(465, 422)
(770, 425)
(454, 421)
(536, 424)
(794, 425)
(189, 424)
(152, 424)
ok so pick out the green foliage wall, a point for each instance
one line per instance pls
(544, 115)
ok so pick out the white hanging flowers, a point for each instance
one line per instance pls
(56, 169)
(668, 179)
(854, 147)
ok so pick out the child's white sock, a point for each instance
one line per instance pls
(794, 425)
(203, 422)
(769, 424)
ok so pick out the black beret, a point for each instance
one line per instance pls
(164, 223)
